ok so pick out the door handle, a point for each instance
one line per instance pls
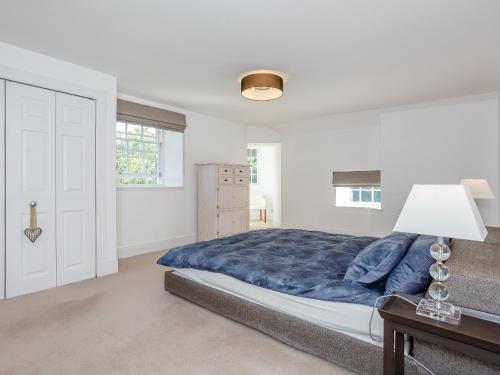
(33, 232)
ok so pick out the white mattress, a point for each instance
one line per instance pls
(348, 318)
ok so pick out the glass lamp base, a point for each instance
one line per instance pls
(446, 312)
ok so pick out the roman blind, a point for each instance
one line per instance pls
(134, 113)
(356, 178)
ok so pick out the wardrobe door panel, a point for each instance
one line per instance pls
(232, 197)
(226, 197)
(2, 189)
(242, 197)
(75, 188)
(30, 171)
(226, 223)
(34, 160)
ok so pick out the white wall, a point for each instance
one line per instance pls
(440, 145)
(150, 219)
(268, 180)
(440, 142)
(262, 134)
(173, 158)
(308, 161)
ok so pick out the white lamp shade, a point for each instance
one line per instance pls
(479, 188)
(442, 210)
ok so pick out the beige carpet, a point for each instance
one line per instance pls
(127, 324)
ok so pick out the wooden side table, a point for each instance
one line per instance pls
(475, 337)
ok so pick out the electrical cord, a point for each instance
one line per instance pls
(375, 305)
(379, 339)
(419, 364)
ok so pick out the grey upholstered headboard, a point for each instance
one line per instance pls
(475, 273)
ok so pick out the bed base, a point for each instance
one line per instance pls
(474, 284)
(343, 350)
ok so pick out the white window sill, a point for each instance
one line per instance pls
(360, 208)
(147, 187)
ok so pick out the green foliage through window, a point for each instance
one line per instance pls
(137, 154)
(252, 163)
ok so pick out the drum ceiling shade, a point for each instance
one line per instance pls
(262, 86)
(140, 114)
(356, 178)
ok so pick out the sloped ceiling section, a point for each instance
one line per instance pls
(339, 56)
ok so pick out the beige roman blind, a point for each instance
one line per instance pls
(356, 178)
(134, 113)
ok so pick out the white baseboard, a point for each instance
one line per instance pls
(149, 247)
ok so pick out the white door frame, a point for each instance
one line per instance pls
(2, 189)
(106, 261)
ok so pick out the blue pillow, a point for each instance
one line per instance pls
(411, 275)
(378, 259)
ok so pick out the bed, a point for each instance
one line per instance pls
(291, 285)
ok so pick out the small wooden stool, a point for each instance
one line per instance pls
(265, 214)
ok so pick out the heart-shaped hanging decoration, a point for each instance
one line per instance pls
(33, 234)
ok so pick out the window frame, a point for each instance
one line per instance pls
(360, 189)
(160, 165)
(359, 203)
(251, 168)
(159, 151)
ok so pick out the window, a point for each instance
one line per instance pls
(148, 155)
(137, 154)
(358, 196)
(252, 162)
(357, 188)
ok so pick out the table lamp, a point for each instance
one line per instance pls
(479, 188)
(441, 211)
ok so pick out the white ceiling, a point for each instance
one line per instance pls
(339, 55)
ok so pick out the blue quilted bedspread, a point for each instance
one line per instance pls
(302, 263)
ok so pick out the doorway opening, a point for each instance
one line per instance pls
(264, 160)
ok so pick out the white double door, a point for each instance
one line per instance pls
(50, 160)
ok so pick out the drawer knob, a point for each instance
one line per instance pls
(225, 179)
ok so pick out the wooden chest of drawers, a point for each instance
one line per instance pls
(223, 200)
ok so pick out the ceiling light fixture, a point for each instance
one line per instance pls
(261, 86)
